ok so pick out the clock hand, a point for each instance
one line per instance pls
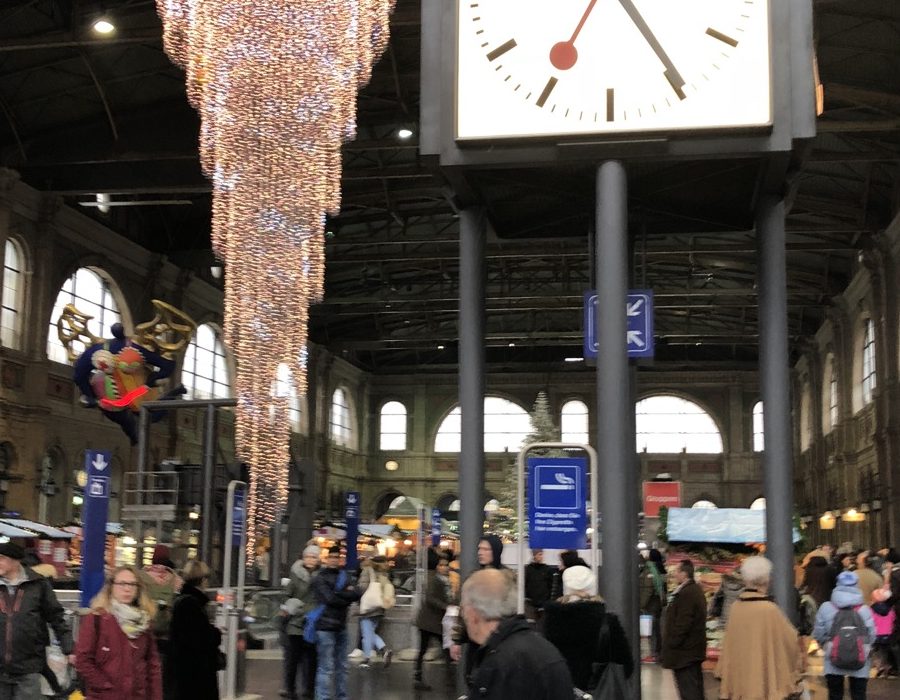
(563, 55)
(671, 73)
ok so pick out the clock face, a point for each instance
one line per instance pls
(549, 68)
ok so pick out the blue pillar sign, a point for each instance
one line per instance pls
(435, 527)
(557, 502)
(238, 516)
(96, 508)
(639, 323)
(351, 516)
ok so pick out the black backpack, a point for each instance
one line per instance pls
(848, 635)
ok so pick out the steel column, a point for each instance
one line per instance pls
(471, 384)
(615, 431)
(775, 384)
(209, 472)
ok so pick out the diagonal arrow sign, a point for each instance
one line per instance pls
(634, 308)
(634, 338)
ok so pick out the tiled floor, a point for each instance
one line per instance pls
(264, 678)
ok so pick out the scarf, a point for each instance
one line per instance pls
(131, 619)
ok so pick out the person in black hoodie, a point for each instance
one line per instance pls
(334, 593)
(512, 660)
(193, 640)
(538, 584)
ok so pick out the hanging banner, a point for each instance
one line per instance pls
(96, 508)
(351, 515)
(557, 502)
(435, 527)
(661, 493)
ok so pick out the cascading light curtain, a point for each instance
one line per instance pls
(275, 83)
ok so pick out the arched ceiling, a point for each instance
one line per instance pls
(81, 115)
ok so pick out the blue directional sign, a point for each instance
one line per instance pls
(639, 331)
(351, 517)
(557, 502)
(435, 527)
(97, 465)
(239, 516)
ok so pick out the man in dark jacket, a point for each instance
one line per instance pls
(27, 606)
(512, 661)
(334, 593)
(538, 583)
(684, 634)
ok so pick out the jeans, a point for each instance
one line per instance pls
(27, 687)
(835, 685)
(370, 637)
(332, 656)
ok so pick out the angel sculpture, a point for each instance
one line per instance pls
(120, 373)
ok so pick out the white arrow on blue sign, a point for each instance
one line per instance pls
(639, 329)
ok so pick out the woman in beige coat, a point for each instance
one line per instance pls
(760, 657)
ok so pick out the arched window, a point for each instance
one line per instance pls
(805, 417)
(704, 504)
(758, 504)
(205, 370)
(13, 297)
(830, 410)
(393, 426)
(667, 424)
(285, 388)
(506, 425)
(868, 362)
(341, 427)
(574, 422)
(90, 290)
(759, 438)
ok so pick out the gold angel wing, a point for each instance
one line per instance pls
(71, 327)
(168, 332)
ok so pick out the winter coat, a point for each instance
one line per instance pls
(652, 586)
(517, 662)
(334, 616)
(843, 597)
(25, 612)
(298, 589)
(437, 597)
(194, 647)
(684, 628)
(760, 657)
(730, 590)
(538, 583)
(586, 634)
(113, 666)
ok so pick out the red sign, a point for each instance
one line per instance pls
(661, 493)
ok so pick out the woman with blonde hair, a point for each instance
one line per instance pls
(116, 651)
(193, 640)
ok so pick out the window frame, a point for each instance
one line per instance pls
(14, 303)
(564, 418)
(340, 424)
(700, 413)
(219, 353)
(384, 436)
(491, 437)
(869, 373)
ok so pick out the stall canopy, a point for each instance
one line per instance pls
(37, 529)
(404, 513)
(7, 531)
(734, 525)
(377, 530)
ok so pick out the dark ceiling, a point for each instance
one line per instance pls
(81, 115)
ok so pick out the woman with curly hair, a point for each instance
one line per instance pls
(116, 651)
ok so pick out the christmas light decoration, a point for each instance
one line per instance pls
(275, 83)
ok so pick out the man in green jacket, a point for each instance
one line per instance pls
(293, 611)
(684, 634)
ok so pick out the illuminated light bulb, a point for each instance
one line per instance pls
(404, 133)
(275, 83)
(103, 26)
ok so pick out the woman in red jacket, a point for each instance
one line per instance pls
(116, 653)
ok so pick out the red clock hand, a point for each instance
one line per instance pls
(564, 55)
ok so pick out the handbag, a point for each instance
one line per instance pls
(609, 683)
(372, 599)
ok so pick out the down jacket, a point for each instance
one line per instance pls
(843, 597)
(324, 589)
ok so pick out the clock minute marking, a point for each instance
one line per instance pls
(671, 73)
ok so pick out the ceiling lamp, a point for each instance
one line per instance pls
(826, 522)
(405, 133)
(853, 516)
(275, 83)
(102, 25)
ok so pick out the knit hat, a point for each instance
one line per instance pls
(12, 550)
(161, 555)
(312, 550)
(847, 578)
(577, 578)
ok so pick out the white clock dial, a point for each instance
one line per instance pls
(579, 67)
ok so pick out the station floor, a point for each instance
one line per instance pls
(395, 683)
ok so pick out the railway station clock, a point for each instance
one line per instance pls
(571, 68)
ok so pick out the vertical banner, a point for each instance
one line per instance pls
(96, 508)
(238, 517)
(557, 502)
(435, 527)
(351, 516)
(661, 493)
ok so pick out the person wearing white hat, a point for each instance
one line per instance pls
(579, 625)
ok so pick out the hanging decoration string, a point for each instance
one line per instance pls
(275, 83)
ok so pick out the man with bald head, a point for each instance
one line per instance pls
(512, 661)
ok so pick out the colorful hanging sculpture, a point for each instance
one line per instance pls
(119, 374)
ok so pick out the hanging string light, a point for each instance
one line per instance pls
(275, 83)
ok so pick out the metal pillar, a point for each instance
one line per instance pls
(209, 470)
(615, 432)
(471, 384)
(775, 384)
